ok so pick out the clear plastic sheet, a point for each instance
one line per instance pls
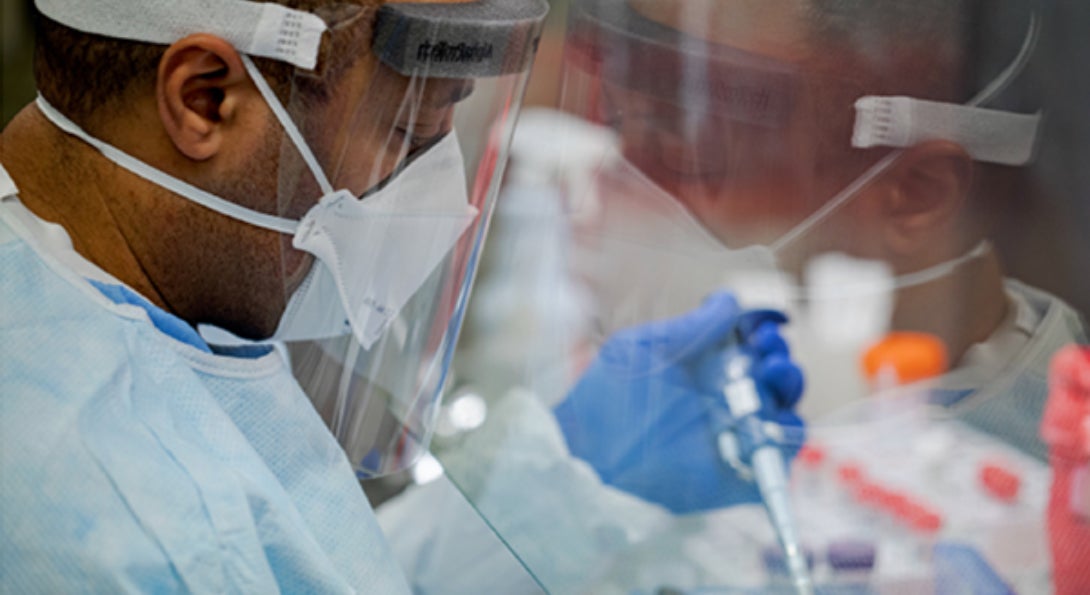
(707, 146)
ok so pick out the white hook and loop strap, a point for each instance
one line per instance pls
(991, 136)
(988, 135)
(255, 28)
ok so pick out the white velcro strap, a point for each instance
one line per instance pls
(288, 35)
(254, 28)
(988, 135)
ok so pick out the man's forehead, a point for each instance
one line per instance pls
(774, 28)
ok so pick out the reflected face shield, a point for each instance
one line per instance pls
(728, 131)
(882, 463)
(738, 155)
(715, 156)
(754, 128)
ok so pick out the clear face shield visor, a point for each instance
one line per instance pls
(392, 174)
(715, 154)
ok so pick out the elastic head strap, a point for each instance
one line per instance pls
(986, 95)
(289, 126)
(165, 180)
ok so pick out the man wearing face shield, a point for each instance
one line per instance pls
(199, 184)
(760, 137)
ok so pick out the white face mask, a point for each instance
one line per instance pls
(372, 255)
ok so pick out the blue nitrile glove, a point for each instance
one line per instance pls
(647, 412)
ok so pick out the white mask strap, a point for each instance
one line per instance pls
(805, 293)
(838, 201)
(943, 269)
(165, 180)
(289, 126)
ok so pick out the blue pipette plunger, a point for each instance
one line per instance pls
(752, 445)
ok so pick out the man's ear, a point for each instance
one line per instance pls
(923, 194)
(198, 91)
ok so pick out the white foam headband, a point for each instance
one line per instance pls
(254, 28)
(988, 135)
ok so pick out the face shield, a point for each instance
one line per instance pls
(393, 125)
(412, 155)
(717, 155)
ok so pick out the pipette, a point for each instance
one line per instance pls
(752, 448)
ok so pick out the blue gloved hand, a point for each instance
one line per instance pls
(647, 412)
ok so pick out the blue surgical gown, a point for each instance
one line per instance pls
(131, 461)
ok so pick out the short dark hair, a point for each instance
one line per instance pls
(82, 74)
